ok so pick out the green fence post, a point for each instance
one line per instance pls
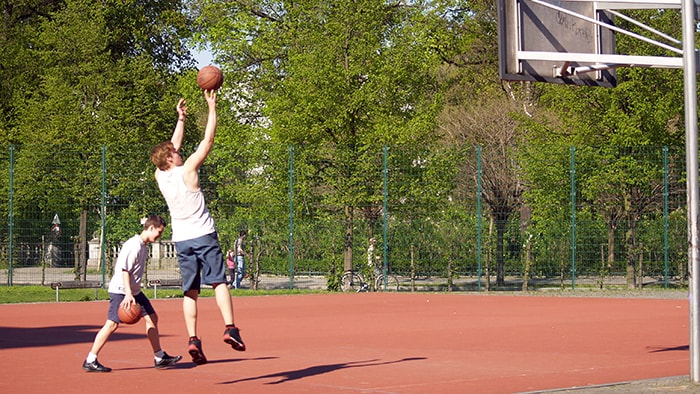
(665, 151)
(384, 215)
(103, 211)
(572, 171)
(10, 213)
(291, 216)
(478, 216)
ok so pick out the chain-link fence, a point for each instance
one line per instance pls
(442, 219)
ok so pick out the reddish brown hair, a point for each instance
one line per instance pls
(160, 154)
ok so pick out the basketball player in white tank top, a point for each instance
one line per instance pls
(196, 241)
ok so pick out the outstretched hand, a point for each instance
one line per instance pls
(181, 108)
(210, 95)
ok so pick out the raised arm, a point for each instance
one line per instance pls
(195, 160)
(179, 132)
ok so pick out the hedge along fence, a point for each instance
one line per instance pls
(594, 212)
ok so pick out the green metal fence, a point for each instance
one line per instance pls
(443, 218)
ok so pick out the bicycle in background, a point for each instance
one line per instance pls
(355, 282)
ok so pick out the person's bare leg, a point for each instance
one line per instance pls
(189, 310)
(232, 335)
(102, 336)
(152, 331)
(91, 364)
(223, 301)
(161, 358)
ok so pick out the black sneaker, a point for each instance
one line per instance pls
(167, 361)
(95, 366)
(233, 338)
(195, 350)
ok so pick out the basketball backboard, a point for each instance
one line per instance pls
(527, 27)
(573, 41)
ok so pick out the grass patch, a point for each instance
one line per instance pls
(25, 294)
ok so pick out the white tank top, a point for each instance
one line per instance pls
(188, 210)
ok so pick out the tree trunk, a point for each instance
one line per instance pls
(500, 256)
(347, 250)
(640, 268)
(601, 281)
(255, 252)
(449, 274)
(82, 248)
(611, 246)
(528, 264)
(489, 255)
(76, 261)
(631, 239)
(413, 270)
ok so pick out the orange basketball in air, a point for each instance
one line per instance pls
(210, 78)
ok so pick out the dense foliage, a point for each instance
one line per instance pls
(340, 121)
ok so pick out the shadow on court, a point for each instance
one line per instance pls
(24, 337)
(287, 376)
(683, 348)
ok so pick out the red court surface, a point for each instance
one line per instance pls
(357, 343)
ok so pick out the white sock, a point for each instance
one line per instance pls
(159, 354)
(91, 357)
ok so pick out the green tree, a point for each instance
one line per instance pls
(335, 79)
(94, 92)
(18, 67)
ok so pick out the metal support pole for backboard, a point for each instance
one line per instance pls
(691, 154)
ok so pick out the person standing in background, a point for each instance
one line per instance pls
(231, 265)
(238, 247)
